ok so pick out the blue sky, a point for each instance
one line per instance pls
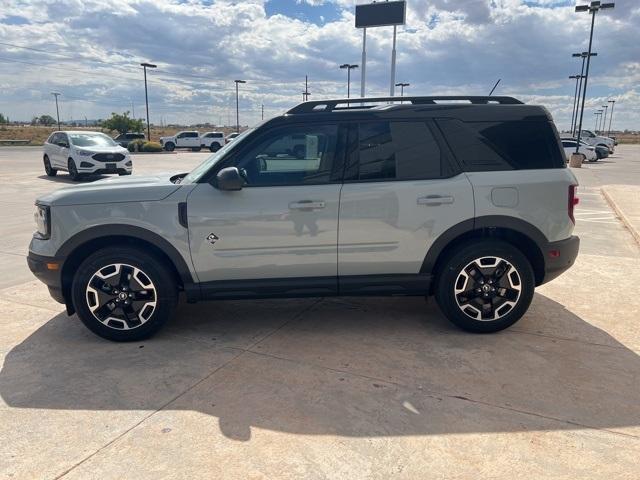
(89, 50)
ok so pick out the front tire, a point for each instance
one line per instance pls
(123, 293)
(485, 286)
(214, 147)
(170, 146)
(48, 169)
(73, 170)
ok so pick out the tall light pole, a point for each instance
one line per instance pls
(575, 98)
(592, 8)
(598, 114)
(146, 96)
(604, 121)
(402, 85)
(238, 105)
(56, 94)
(305, 94)
(584, 56)
(348, 67)
(613, 104)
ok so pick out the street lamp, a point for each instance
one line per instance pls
(237, 105)
(55, 94)
(604, 121)
(575, 99)
(402, 85)
(598, 114)
(613, 103)
(584, 56)
(146, 96)
(348, 67)
(592, 8)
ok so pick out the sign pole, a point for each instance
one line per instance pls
(393, 65)
(364, 62)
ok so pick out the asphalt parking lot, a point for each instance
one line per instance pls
(326, 388)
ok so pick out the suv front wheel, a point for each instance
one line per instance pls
(123, 293)
(485, 286)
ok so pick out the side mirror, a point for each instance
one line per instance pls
(229, 179)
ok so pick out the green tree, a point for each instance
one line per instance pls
(46, 120)
(122, 123)
(3, 119)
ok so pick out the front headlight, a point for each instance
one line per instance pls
(84, 153)
(42, 216)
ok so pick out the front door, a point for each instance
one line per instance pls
(61, 151)
(281, 229)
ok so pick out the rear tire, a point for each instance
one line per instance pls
(485, 286)
(73, 170)
(48, 169)
(214, 147)
(123, 293)
(169, 146)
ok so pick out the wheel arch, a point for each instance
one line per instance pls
(522, 235)
(76, 249)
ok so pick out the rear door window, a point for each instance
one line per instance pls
(510, 145)
(394, 150)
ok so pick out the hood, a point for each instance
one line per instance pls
(103, 149)
(114, 190)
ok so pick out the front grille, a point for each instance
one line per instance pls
(108, 157)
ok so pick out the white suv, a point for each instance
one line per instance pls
(190, 139)
(82, 153)
(214, 141)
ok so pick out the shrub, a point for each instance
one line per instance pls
(151, 147)
(136, 145)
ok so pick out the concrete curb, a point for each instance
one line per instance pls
(620, 213)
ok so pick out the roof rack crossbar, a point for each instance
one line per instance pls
(331, 105)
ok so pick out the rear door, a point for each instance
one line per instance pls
(284, 223)
(401, 192)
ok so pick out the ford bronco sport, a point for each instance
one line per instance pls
(465, 198)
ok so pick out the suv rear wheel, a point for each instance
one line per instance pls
(123, 293)
(48, 169)
(485, 286)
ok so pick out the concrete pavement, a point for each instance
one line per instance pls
(329, 388)
(625, 201)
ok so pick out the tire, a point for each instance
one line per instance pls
(169, 146)
(124, 173)
(113, 276)
(48, 169)
(73, 170)
(512, 292)
(214, 147)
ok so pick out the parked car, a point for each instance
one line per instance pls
(601, 152)
(472, 203)
(214, 141)
(231, 137)
(187, 139)
(82, 153)
(125, 138)
(592, 139)
(569, 146)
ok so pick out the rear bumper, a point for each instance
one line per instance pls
(559, 257)
(49, 271)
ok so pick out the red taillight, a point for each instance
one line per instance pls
(573, 201)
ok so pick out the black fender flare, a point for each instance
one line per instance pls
(488, 221)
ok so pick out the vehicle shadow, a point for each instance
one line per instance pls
(347, 367)
(64, 178)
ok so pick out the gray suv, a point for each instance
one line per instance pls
(465, 198)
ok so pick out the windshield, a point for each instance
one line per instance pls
(91, 140)
(204, 167)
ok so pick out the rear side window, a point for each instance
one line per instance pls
(394, 150)
(511, 145)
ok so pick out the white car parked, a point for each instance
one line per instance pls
(589, 152)
(186, 139)
(82, 153)
(231, 137)
(214, 141)
(592, 139)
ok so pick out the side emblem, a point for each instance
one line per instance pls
(212, 238)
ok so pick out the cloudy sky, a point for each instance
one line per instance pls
(89, 50)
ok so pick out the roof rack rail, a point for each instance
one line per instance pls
(331, 105)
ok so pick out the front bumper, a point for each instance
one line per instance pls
(49, 271)
(559, 257)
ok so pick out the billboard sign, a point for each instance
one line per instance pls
(381, 14)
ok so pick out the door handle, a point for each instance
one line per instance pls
(434, 200)
(307, 205)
